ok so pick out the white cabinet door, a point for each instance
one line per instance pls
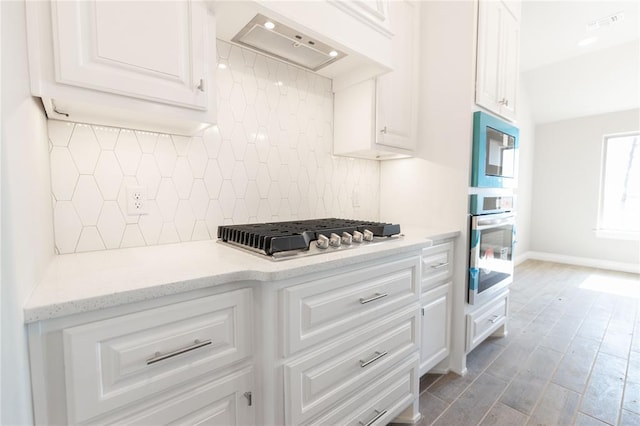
(436, 328)
(372, 12)
(510, 65)
(222, 402)
(150, 50)
(488, 59)
(123, 360)
(396, 100)
(497, 66)
(486, 320)
(377, 119)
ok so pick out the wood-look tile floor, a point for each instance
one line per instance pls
(571, 356)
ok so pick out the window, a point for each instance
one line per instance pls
(619, 214)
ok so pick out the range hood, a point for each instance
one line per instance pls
(285, 43)
(315, 35)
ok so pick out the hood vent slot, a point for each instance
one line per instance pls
(281, 42)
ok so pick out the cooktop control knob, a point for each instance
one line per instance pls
(322, 241)
(347, 238)
(357, 236)
(368, 235)
(334, 240)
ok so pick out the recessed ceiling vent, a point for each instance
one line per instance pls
(281, 42)
(606, 21)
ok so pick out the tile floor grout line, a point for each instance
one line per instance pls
(626, 371)
(586, 385)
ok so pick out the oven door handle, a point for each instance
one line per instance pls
(487, 223)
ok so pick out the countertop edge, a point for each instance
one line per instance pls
(39, 311)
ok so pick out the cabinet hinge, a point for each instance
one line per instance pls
(422, 309)
(249, 398)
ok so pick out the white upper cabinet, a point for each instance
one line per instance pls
(497, 58)
(377, 119)
(151, 50)
(374, 12)
(124, 62)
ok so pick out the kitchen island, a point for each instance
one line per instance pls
(203, 330)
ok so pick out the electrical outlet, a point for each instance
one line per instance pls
(136, 200)
(355, 198)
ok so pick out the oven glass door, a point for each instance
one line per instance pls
(491, 257)
(501, 154)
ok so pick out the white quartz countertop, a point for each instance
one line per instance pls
(83, 282)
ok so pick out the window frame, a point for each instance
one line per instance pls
(599, 230)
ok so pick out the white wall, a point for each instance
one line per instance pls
(566, 190)
(27, 226)
(524, 192)
(431, 191)
(268, 159)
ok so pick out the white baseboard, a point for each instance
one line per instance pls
(579, 261)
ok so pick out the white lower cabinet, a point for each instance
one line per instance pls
(351, 346)
(338, 369)
(486, 320)
(218, 402)
(334, 347)
(436, 301)
(375, 403)
(176, 363)
(436, 327)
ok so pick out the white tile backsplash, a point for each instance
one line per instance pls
(268, 159)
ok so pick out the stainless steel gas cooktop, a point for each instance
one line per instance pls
(284, 240)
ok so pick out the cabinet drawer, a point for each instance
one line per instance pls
(221, 402)
(483, 322)
(380, 402)
(119, 361)
(437, 265)
(321, 309)
(313, 383)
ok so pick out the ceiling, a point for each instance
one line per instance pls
(563, 80)
(550, 30)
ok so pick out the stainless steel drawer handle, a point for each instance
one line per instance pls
(440, 265)
(161, 357)
(377, 356)
(375, 419)
(494, 319)
(371, 299)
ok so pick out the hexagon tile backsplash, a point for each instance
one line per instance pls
(268, 159)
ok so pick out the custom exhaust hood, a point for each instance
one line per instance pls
(282, 42)
(316, 35)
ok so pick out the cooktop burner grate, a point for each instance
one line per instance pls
(275, 237)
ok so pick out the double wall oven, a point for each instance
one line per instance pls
(492, 239)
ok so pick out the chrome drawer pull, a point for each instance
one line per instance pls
(494, 319)
(371, 299)
(375, 419)
(375, 358)
(160, 357)
(440, 265)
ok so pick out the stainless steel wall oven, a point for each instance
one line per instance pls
(492, 239)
